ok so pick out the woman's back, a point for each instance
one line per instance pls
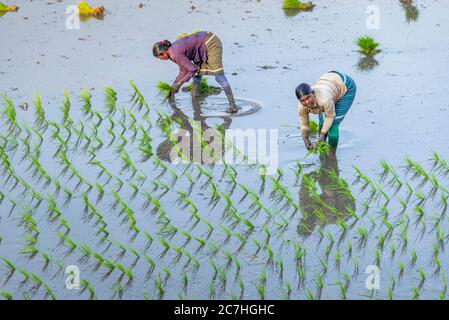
(191, 46)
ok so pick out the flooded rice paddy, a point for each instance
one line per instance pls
(86, 177)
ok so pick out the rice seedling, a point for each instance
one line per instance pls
(151, 264)
(422, 277)
(138, 99)
(6, 294)
(367, 46)
(363, 235)
(166, 246)
(261, 291)
(443, 292)
(212, 290)
(416, 293)
(65, 108)
(342, 290)
(413, 258)
(338, 259)
(26, 275)
(9, 265)
(258, 246)
(110, 100)
(355, 262)
(86, 285)
(125, 271)
(118, 290)
(30, 251)
(10, 116)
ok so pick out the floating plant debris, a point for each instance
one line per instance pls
(296, 4)
(5, 8)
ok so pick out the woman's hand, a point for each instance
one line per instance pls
(322, 138)
(307, 142)
(174, 89)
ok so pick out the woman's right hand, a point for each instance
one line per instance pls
(307, 142)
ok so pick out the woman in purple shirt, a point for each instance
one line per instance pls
(196, 55)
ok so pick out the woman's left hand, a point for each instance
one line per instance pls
(322, 138)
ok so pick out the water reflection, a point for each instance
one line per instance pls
(333, 204)
(411, 11)
(367, 63)
(189, 129)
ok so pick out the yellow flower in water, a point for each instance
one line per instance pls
(86, 10)
(4, 7)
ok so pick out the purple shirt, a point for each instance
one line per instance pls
(188, 53)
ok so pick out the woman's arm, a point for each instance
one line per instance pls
(329, 111)
(304, 125)
(182, 73)
(186, 68)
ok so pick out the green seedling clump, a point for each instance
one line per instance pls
(368, 46)
(322, 148)
(163, 87)
(204, 88)
(296, 4)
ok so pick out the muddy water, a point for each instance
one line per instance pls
(400, 110)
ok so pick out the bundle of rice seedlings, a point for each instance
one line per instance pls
(368, 46)
(205, 88)
(323, 148)
(163, 87)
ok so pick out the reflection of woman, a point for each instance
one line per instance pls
(187, 132)
(332, 197)
(196, 55)
(332, 95)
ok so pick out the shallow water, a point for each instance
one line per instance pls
(400, 110)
